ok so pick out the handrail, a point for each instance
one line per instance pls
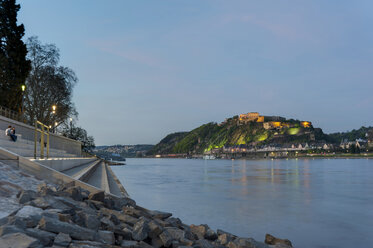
(42, 133)
(11, 114)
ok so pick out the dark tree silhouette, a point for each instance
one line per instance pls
(48, 84)
(14, 66)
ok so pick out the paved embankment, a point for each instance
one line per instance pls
(69, 216)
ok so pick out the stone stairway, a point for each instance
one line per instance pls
(25, 148)
(88, 170)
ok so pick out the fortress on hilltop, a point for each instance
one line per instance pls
(269, 122)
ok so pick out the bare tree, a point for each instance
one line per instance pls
(48, 85)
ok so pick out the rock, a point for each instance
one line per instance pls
(97, 205)
(75, 231)
(157, 242)
(175, 222)
(16, 221)
(202, 243)
(137, 213)
(107, 224)
(155, 229)
(200, 230)
(47, 202)
(171, 234)
(30, 215)
(87, 244)
(211, 235)
(84, 219)
(126, 233)
(243, 242)
(271, 240)
(75, 193)
(62, 239)
(128, 244)
(220, 232)
(106, 237)
(64, 217)
(97, 196)
(159, 215)
(44, 189)
(7, 229)
(175, 233)
(19, 240)
(142, 244)
(140, 230)
(26, 196)
(45, 238)
(186, 242)
(225, 238)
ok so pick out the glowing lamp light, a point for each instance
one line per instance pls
(55, 124)
(71, 119)
(54, 107)
(23, 87)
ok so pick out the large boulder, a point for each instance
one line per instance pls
(75, 193)
(7, 229)
(26, 196)
(97, 196)
(271, 240)
(106, 237)
(30, 215)
(19, 240)
(141, 230)
(200, 230)
(75, 231)
(62, 239)
(45, 238)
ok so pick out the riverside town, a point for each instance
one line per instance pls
(176, 124)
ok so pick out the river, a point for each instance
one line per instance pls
(312, 202)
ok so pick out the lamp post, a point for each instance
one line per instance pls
(71, 127)
(54, 107)
(23, 87)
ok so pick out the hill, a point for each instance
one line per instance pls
(249, 130)
(361, 133)
(119, 152)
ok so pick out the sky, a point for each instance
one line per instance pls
(149, 68)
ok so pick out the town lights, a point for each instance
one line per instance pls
(23, 87)
(54, 107)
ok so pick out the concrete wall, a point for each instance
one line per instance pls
(56, 141)
(62, 164)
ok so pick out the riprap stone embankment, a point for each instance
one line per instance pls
(69, 216)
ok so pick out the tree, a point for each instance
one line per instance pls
(14, 66)
(48, 84)
(80, 134)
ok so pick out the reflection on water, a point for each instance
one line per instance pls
(314, 203)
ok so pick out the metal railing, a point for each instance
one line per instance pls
(11, 114)
(42, 134)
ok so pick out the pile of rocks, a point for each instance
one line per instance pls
(69, 216)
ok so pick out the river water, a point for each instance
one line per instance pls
(312, 202)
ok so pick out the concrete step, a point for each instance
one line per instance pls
(84, 171)
(30, 152)
(65, 164)
(113, 185)
(11, 144)
(99, 178)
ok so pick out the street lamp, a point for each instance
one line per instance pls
(54, 107)
(71, 127)
(23, 87)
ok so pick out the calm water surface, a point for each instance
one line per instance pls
(314, 203)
